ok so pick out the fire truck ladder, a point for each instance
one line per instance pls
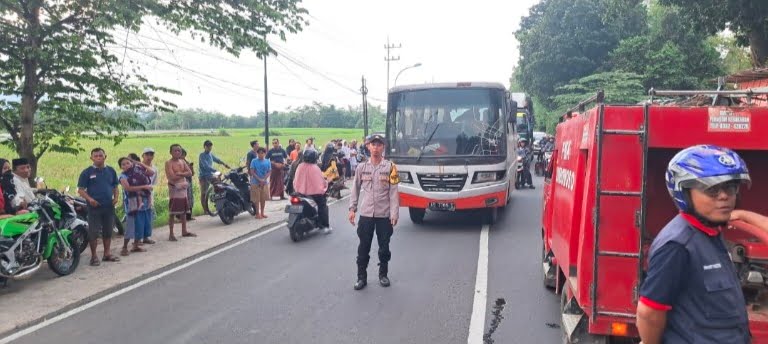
(601, 132)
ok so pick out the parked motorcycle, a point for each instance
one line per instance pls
(232, 195)
(27, 240)
(303, 216)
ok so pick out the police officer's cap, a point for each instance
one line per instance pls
(376, 137)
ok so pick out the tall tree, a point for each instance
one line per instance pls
(562, 40)
(735, 57)
(60, 76)
(670, 55)
(748, 19)
(619, 88)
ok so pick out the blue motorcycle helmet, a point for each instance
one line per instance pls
(703, 166)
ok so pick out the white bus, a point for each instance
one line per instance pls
(454, 145)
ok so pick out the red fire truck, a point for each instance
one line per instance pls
(605, 200)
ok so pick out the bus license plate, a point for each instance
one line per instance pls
(442, 206)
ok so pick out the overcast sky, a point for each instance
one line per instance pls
(454, 41)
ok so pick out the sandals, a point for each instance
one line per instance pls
(188, 234)
(95, 261)
(138, 249)
(172, 238)
(110, 258)
(124, 252)
(148, 241)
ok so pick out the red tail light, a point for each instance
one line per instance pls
(295, 200)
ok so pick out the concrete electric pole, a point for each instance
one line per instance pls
(390, 58)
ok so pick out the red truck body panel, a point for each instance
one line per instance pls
(631, 202)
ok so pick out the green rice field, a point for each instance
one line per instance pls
(230, 145)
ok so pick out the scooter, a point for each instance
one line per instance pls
(232, 198)
(303, 216)
(547, 159)
(522, 175)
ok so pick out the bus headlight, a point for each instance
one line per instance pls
(405, 177)
(487, 176)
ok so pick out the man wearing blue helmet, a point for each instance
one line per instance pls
(691, 292)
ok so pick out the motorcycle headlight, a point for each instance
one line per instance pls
(405, 177)
(487, 176)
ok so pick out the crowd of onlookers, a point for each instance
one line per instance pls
(133, 186)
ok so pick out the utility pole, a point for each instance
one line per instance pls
(266, 104)
(390, 58)
(364, 92)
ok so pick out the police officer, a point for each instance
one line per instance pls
(691, 293)
(378, 209)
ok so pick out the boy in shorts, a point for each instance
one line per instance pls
(259, 170)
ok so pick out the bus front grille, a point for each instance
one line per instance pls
(442, 182)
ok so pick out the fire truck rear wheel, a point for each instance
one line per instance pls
(550, 282)
(417, 215)
(580, 335)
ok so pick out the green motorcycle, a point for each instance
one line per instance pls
(27, 240)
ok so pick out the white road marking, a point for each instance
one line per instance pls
(138, 284)
(477, 322)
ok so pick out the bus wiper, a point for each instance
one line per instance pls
(424, 145)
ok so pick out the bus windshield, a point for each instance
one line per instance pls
(446, 122)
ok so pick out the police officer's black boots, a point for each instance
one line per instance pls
(362, 279)
(383, 279)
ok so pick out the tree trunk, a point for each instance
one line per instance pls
(758, 46)
(29, 102)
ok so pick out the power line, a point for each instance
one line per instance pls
(165, 44)
(294, 74)
(283, 53)
(209, 81)
(176, 65)
(196, 50)
(312, 70)
(347, 79)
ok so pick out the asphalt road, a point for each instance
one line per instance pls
(271, 290)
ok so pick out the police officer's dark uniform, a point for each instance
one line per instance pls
(378, 206)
